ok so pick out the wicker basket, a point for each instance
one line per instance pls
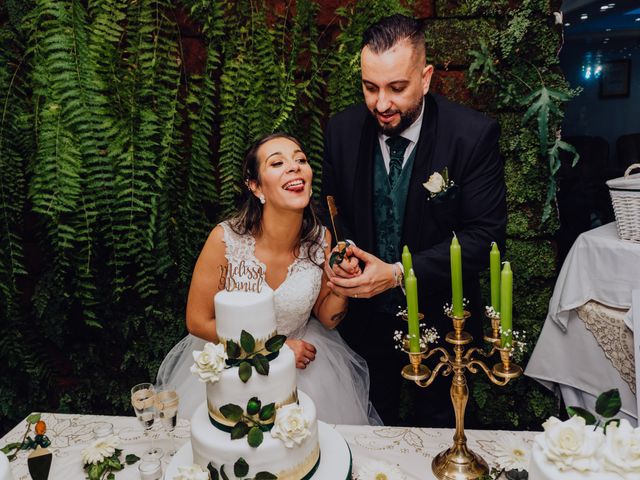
(625, 197)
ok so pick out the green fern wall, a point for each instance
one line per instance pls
(122, 127)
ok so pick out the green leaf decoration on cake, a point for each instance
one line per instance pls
(267, 412)
(275, 343)
(231, 412)
(261, 364)
(239, 430)
(233, 349)
(240, 468)
(244, 371)
(247, 342)
(265, 476)
(213, 472)
(253, 406)
(589, 418)
(255, 437)
(131, 459)
(608, 403)
(224, 475)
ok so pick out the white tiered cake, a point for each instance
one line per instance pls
(255, 417)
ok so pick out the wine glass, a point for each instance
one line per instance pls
(167, 406)
(142, 399)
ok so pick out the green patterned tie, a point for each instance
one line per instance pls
(397, 146)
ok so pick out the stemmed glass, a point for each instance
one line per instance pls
(142, 399)
(167, 406)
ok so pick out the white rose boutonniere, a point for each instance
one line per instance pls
(571, 445)
(439, 185)
(209, 362)
(621, 450)
(290, 425)
(193, 472)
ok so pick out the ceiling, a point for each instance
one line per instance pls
(608, 18)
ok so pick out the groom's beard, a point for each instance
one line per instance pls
(406, 119)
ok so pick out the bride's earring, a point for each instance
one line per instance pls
(262, 199)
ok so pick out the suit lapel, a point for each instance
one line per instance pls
(363, 187)
(414, 217)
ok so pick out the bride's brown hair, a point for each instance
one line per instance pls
(248, 218)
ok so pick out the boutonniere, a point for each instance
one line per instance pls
(440, 186)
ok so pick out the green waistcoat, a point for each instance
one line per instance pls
(389, 206)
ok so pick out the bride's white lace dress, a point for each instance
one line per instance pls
(337, 380)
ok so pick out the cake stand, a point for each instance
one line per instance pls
(335, 456)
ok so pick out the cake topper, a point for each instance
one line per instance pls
(242, 277)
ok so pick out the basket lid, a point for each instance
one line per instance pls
(628, 181)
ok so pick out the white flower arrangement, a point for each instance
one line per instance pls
(192, 472)
(427, 336)
(571, 445)
(519, 343)
(621, 451)
(290, 425)
(491, 312)
(512, 452)
(379, 470)
(209, 362)
(448, 309)
(100, 450)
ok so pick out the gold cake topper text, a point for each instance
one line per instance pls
(241, 277)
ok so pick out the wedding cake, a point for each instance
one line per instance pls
(572, 450)
(254, 419)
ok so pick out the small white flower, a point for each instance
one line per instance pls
(379, 470)
(621, 452)
(193, 472)
(571, 445)
(100, 449)
(435, 184)
(209, 362)
(558, 17)
(290, 425)
(512, 452)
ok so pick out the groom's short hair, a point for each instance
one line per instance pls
(388, 31)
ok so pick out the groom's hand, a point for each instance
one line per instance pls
(377, 276)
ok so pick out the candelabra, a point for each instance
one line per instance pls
(458, 462)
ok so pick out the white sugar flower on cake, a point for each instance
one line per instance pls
(571, 445)
(209, 362)
(621, 450)
(512, 452)
(100, 449)
(379, 470)
(193, 472)
(290, 425)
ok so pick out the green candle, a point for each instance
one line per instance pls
(407, 263)
(411, 285)
(456, 278)
(494, 269)
(506, 291)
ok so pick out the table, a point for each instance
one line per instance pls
(587, 344)
(411, 448)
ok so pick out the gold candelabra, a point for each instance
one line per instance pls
(458, 462)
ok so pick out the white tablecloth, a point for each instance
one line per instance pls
(568, 357)
(599, 267)
(411, 448)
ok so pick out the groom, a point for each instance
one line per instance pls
(377, 157)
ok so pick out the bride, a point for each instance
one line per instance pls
(277, 229)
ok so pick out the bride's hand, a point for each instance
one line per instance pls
(304, 352)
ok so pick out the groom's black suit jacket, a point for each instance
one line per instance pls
(451, 136)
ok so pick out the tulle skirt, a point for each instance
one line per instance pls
(337, 380)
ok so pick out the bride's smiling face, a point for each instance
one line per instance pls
(285, 175)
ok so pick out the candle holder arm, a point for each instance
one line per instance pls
(481, 351)
(472, 367)
(434, 374)
(444, 358)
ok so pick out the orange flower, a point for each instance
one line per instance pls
(41, 427)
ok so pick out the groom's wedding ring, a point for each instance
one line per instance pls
(355, 295)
